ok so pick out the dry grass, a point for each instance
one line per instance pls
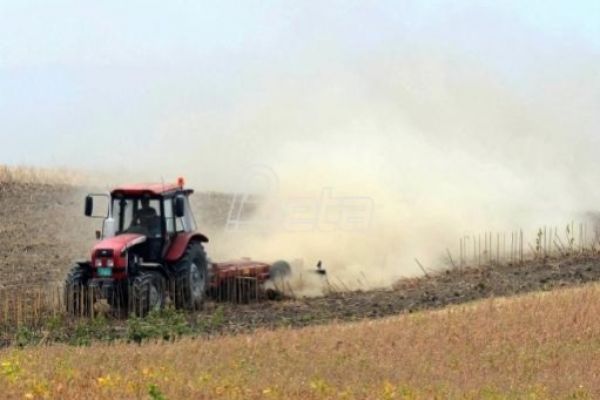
(48, 176)
(537, 346)
(42, 231)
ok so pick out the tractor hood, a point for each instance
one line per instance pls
(119, 244)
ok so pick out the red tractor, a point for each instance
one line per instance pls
(149, 253)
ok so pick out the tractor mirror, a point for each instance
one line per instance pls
(89, 206)
(179, 206)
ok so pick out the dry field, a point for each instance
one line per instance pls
(541, 345)
(38, 236)
(538, 346)
(42, 230)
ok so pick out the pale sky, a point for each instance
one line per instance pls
(92, 84)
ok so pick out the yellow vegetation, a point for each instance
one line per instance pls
(536, 346)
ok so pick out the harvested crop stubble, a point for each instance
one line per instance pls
(47, 176)
(536, 346)
(40, 234)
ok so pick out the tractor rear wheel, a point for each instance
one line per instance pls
(191, 278)
(147, 293)
(76, 292)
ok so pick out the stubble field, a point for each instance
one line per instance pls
(366, 344)
(540, 346)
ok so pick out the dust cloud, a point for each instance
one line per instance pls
(370, 161)
(431, 150)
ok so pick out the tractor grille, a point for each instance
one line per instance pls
(108, 253)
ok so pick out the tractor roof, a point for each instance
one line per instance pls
(152, 189)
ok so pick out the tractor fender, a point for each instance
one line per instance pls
(180, 243)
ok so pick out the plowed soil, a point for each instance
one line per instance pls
(410, 295)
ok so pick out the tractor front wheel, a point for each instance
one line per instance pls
(147, 293)
(191, 278)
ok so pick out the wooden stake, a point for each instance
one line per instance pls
(422, 268)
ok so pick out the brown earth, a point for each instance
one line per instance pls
(409, 295)
(40, 232)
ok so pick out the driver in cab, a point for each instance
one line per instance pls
(146, 220)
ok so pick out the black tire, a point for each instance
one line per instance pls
(147, 293)
(191, 278)
(77, 296)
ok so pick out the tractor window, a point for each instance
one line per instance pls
(179, 225)
(174, 224)
(189, 223)
(138, 216)
(169, 216)
(123, 213)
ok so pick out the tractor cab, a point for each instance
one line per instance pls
(158, 212)
(148, 251)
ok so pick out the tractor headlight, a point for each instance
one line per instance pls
(98, 263)
(110, 263)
